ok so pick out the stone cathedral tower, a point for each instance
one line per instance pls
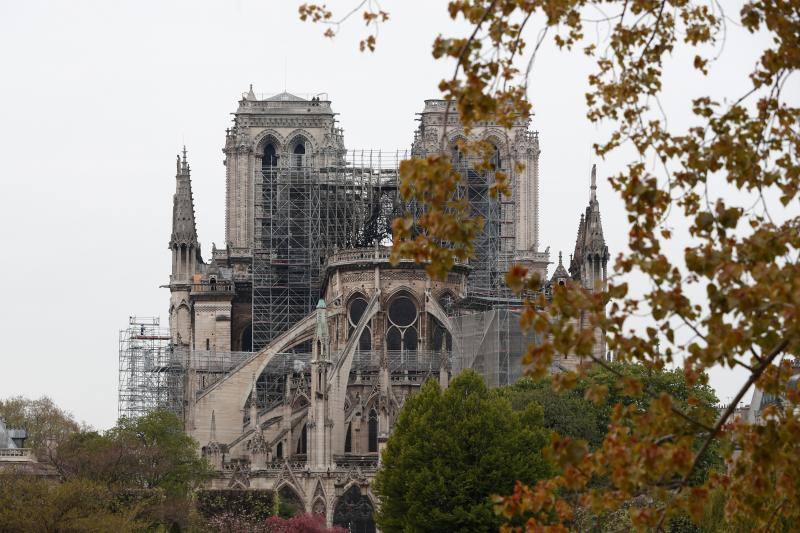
(514, 221)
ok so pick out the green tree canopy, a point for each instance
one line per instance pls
(450, 451)
(149, 452)
(47, 424)
(148, 463)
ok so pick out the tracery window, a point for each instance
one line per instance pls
(354, 511)
(357, 307)
(298, 154)
(270, 159)
(403, 319)
(496, 160)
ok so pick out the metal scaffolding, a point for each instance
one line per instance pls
(305, 209)
(151, 376)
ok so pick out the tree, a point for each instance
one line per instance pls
(566, 413)
(166, 457)
(148, 462)
(33, 504)
(148, 452)
(730, 301)
(450, 451)
(47, 425)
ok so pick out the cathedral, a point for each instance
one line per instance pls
(294, 346)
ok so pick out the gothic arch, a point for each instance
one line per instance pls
(320, 499)
(355, 510)
(497, 137)
(457, 157)
(300, 399)
(266, 136)
(290, 494)
(455, 136)
(401, 291)
(292, 138)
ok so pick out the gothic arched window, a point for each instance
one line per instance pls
(457, 158)
(279, 451)
(356, 309)
(402, 332)
(270, 159)
(354, 511)
(496, 160)
(298, 153)
(372, 430)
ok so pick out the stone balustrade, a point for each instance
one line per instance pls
(16, 454)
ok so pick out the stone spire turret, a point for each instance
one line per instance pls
(184, 231)
(183, 241)
(561, 275)
(590, 258)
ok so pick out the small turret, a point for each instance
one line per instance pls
(589, 261)
(183, 242)
(560, 276)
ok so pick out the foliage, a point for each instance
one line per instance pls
(570, 414)
(450, 450)
(736, 288)
(252, 505)
(148, 452)
(33, 504)
(47, 425)
(566, 413)
(303, 523)
(148, 463)
(166, 457)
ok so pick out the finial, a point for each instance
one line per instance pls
(178, 163)
(213, 427)
(559, 258)
(184, 154)
(594, 182)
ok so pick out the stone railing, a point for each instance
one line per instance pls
(365, 462)
(16, 454)
(212, 286)
(352, 256)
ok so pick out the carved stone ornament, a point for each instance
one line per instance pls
(240, 479)
(258, 444)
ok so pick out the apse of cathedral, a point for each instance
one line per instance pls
(293, 348)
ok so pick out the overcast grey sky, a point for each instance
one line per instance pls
(97, 97)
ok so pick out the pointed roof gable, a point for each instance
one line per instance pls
(184, 230)
(285, 97)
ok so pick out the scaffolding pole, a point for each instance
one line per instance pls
(151, 376)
